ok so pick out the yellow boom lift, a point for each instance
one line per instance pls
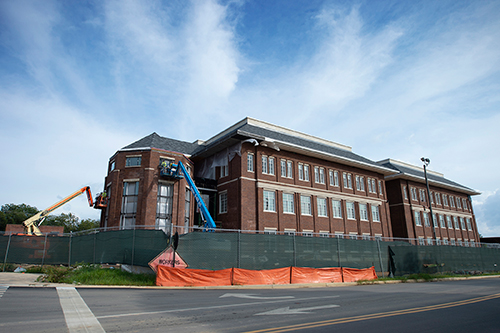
(30, 226)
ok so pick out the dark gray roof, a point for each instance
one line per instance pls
(247, 130)
(155, 141)
(408, 172)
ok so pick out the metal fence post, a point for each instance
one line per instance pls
(69, 251)
(133, 247)
(338, 252)
(6, 253)
(239, 249)
(294, 251)
(380, 258)
(44, 248)
(93, 259)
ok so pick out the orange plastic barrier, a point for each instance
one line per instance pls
(265, 276)
(177, 277)
(316, 275)
(354, 274)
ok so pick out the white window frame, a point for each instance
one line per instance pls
(427, 221)
(337, 208)
(269, 201)
(272, 165)
(441, 221)
(363, 212)
(306, 172)
(223, 202)
(288, 203)
(375, 213)
(301, 171)
(250, 162)
(351, 210)
(322, 207)
(418, 219)
(347, 178)
(283, 168)
(265, 169)
(448, 222)
(289, 169)
(133, 161)
(305, 205)
(455, 223)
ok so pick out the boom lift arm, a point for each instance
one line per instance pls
(30, 224)
(172, 170)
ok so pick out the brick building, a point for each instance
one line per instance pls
(454, 222)
(259, 176)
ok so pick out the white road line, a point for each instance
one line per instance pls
(78, 316)
(3, 289)
(213, 307)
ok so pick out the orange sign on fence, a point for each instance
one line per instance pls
(166, 258)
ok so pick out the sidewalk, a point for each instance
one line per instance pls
(24, 280)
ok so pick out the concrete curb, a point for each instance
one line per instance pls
(29, 280)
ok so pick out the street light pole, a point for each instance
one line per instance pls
(426, 162)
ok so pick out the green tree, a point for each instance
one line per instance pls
(15, 214)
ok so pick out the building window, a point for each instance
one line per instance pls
(448, 221)
(422, 195)
(325, 234)
(462, 222)
(464, 204)
(418, 221)
(290, 232)
(413, 193)
(223, 202)
(337, 209)
(269, 201)
(112, 166)
(351, 213)
(421, 241)
(458, 203)
(375, 213)
(452, 201)
(250, 162)
(133, 161)
(129, 204)
(270, 231)
(432, 197)
(289, 170)
(445, 199)
(319, 175)
(224, 170)
(165, 194)
(283, 168)
(288, 206)
(307, 233)
(405, 193)
(347, 177)
(455, 222)
(469, 226)
(322, 207)
(334, 177)
(264, 165)
(360, 183)
(305, 205)
(438, 199)
(271, 165)
(303, 172)
(363, 212)
(434, 221)
(372, 187)
(427, 223)
(441, 221)
(380, 187)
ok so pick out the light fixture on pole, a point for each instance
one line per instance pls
(426, 162)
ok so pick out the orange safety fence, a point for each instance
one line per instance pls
(177, 277)
(316, 275)
(354, 274)
(186, 277)
(265, 276)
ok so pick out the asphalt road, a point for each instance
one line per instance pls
(447, 306)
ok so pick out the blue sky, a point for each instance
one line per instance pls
(392, 79)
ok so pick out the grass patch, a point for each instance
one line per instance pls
(95, 275)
